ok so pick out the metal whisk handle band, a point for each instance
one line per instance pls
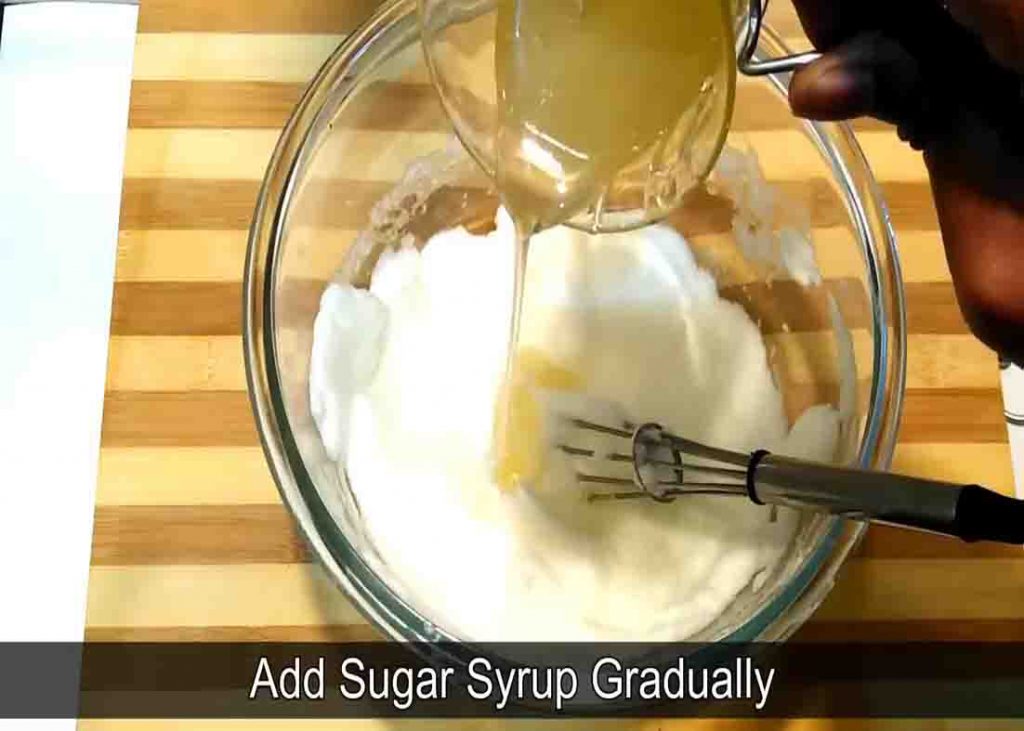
(969, 512)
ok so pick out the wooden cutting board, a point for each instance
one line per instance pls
(191, 539)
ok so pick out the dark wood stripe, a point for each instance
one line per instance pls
(242, 534)
(228, 204)
(188, 534)
(282, 633)
(932, 630)
(168, 203)
(253, 16)
(384, 105)
(214, 308)
(183, 204)
(886, 542)
(223, 418)
(952, 630)
(177, 308)
(193, 419)
(932, 309)
(953, 415)
(172, 203)
(865, 124)
(212, 103)
(910, 206)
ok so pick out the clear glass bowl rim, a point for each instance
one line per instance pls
(371, 595)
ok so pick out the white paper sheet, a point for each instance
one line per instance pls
(1013, 407)
(65, 72)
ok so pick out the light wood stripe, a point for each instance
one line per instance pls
(227, 204)
(199, 596)
(242, 154)
(383, 156)
(198, 153)
(912, 589)
(181, 256)
(183, 476)
(984, 463)
(254, 16)
(248, 534)
(236, 595)
(783, 19)
(176, 475)
(213, 56)
(264, 57)
(789, 155)
(208, 534)
(181, 522)
(214, 363)
(949, 361)
(188, 256)
(934, 361)
(223, 418)
(187, 363)
(197, 255)
(212, 53)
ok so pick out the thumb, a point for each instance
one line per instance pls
(870, 75)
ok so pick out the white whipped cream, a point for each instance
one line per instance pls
(403, 383)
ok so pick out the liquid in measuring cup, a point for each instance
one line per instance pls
(587, 88)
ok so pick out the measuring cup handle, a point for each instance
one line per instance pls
(748, 66)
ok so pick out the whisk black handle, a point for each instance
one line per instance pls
(969, 512)
(984, 515)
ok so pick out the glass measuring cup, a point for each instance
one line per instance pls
(464, 60)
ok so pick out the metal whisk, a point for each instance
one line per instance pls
(665, 467)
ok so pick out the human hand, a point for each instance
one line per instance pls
(952, 81)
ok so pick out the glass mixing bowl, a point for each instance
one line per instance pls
(368, 160)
